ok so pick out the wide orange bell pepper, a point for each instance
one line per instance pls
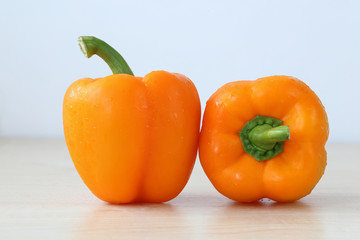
(131, 139)
(264, 139)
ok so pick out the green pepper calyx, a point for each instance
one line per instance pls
(263, 137)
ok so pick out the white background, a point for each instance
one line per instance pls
(211, 42)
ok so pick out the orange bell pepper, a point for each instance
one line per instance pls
(131, 139)
(264, 139)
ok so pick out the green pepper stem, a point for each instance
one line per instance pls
(91, 45)
(265, 136)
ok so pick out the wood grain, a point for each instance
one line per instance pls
(42, 197)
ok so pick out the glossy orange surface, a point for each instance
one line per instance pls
(288, 176)
(133, 139)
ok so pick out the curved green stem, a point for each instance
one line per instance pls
(265, 136)
(92, 45)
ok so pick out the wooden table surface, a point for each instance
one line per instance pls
(42, 197)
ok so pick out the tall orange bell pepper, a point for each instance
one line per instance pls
(131, 139)
(264, 139)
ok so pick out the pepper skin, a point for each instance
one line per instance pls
(286, 177)
(133, 139)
